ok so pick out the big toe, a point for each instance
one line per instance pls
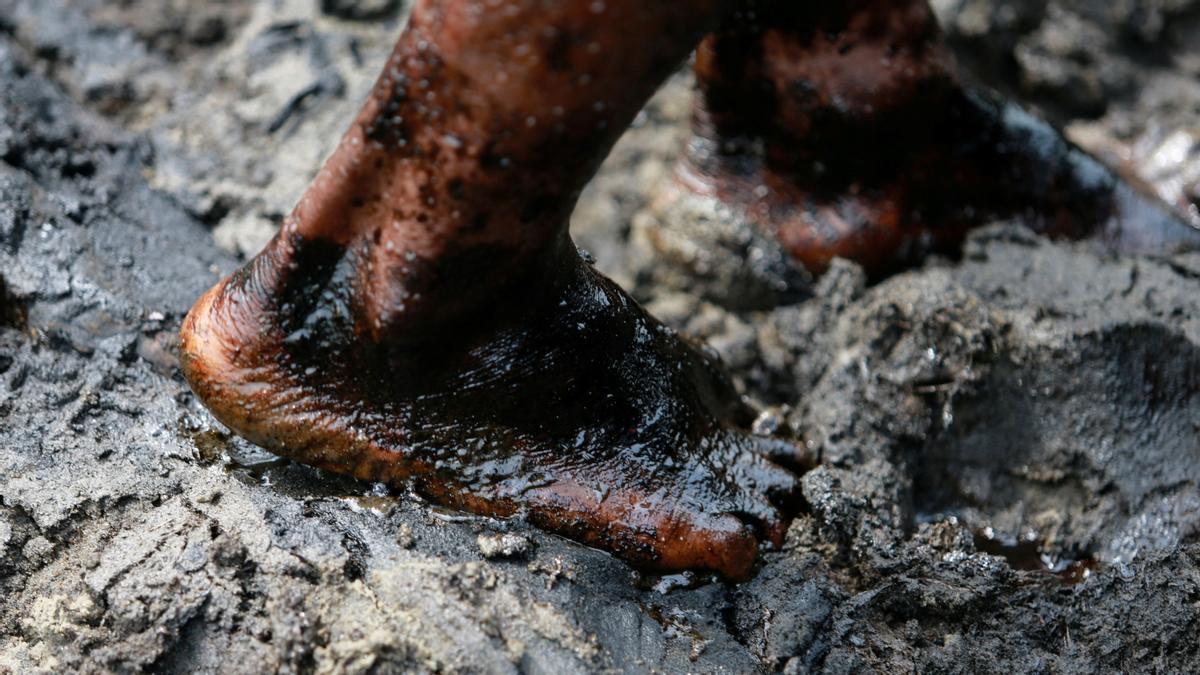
(725, 543)
(659, 530)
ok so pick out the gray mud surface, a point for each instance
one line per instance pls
(1010, 443)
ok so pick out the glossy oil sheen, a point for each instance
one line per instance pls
(847, 130)
(422, 319)
(562, 401)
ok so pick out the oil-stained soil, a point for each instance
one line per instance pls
(1010, 442)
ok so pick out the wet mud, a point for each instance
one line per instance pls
(1009, 442)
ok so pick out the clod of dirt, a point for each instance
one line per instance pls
(504, 545)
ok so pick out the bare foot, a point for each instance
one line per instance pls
(423, 318)
(847, 130)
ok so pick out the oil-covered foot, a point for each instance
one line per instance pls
(846, 129)
(423, 319)
(561, 400)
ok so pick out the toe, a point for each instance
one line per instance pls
(754, 474)
(763, 493)
(793, 455)
(723, 543)
(764, 519)
(655, 530)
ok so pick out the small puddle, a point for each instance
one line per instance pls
(1026, 554)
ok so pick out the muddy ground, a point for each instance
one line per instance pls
(1010, 442)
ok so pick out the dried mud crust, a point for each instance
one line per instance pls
(1030, 388)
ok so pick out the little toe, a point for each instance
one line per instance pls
(794, 456)
(765, 519)
(756, 474)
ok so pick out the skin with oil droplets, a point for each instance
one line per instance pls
(422, 318)
(846, 130)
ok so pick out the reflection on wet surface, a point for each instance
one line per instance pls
(1025, 553)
